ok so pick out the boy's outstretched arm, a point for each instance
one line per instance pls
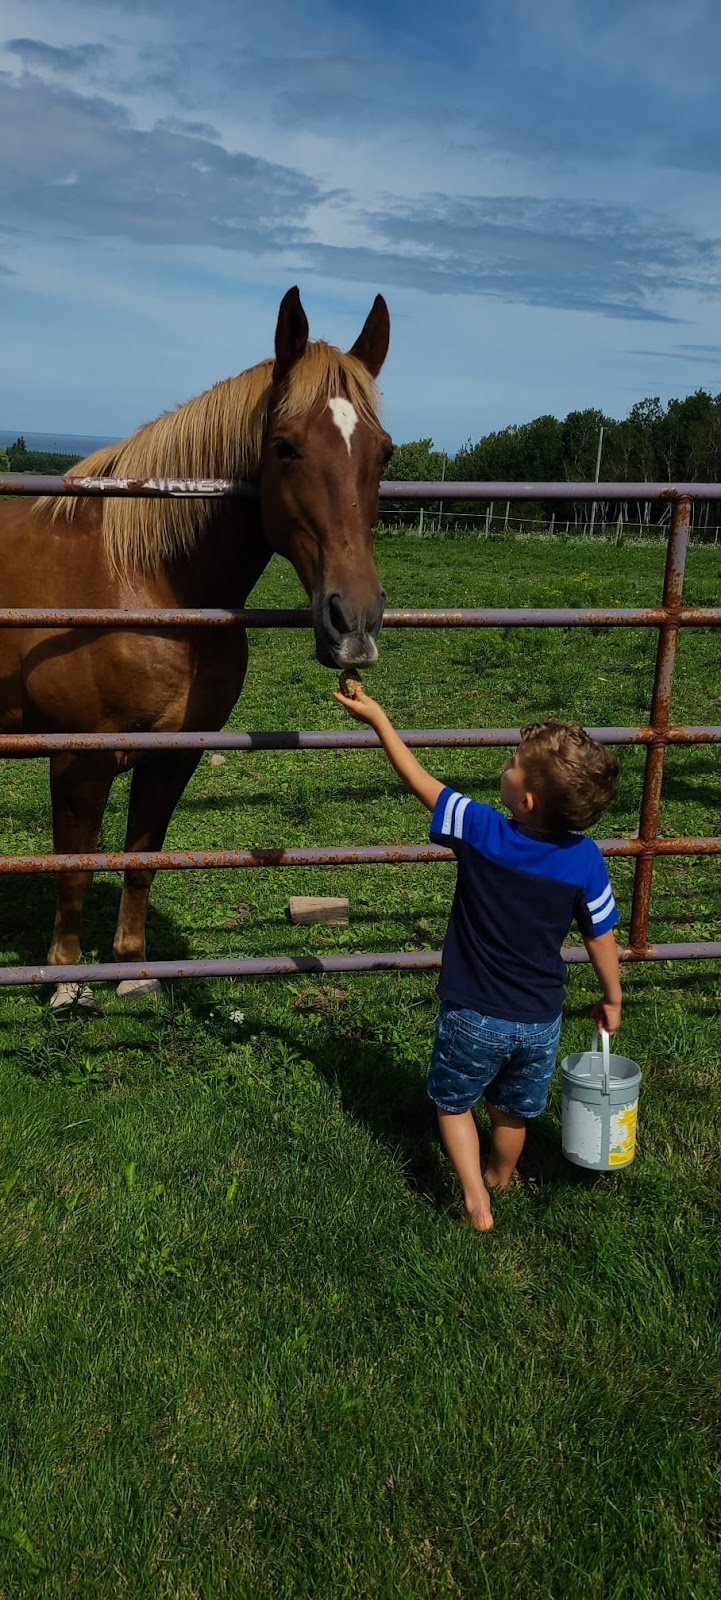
(604, 960)
(410, 771)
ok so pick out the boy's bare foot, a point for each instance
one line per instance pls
(479, 1215)
(498, 1180)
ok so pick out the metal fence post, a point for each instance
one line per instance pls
(660, 719)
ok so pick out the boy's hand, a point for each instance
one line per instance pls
(607, 1015)
(360, 706)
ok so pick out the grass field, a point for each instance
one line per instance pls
(245, 1347)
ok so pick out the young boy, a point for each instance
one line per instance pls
(520, 886)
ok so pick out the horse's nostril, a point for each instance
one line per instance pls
(336, 615)
(342, 617)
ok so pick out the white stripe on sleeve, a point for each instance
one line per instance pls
(451, 803)
(594, 905)
(600, 916)
(458, 818)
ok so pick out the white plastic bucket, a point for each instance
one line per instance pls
(600, 1107)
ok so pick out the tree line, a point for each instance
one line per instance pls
(17, 458)
(677, 443)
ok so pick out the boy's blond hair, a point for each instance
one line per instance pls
(573, 777)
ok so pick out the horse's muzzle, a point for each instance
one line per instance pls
(345, 636)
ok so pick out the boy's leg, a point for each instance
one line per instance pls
(522, 1089)
(508, 1136)
(460, 1137)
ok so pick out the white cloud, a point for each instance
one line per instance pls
(82, 165)
(174, 165)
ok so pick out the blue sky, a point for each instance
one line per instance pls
(533, 187)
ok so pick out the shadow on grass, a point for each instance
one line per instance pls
(644, 981)
(274, 801)
(27, 913)
(386, 1094)
(543, 1163)
(381, 1090)
(694, 788)
(482, 789)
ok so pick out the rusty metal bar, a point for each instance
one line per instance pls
(151, 617)
(448, 490)
(660, 718)
(554, 617)
(291, 966)
(311, 856)
(45, 744)
(27, 483)
(489, 617)
(42, 483)
(189, 860)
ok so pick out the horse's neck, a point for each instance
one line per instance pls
(227, 562)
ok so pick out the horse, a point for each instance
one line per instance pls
(304, 427)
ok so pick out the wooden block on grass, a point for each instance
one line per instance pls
(318, 908)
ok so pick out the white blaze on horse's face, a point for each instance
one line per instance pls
(344, 416)
(322, 459)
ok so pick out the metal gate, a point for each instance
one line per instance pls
(656, 735)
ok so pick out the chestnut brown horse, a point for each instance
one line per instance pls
(305, 428)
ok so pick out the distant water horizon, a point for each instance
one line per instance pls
(67, 444)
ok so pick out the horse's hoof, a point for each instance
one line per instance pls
(75, 997)
(138, 988)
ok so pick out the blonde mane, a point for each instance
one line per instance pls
(219, 434)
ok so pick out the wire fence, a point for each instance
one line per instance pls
(482, 525)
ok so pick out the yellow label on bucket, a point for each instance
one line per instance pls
(623, 1127)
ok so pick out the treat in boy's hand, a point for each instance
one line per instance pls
(348, 684)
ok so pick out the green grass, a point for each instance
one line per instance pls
(245, 1347)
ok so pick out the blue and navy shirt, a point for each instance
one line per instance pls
(516, 898)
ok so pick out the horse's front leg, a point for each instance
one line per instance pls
(79, 788)
(157, 784)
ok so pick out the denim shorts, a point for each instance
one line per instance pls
(509, 1063)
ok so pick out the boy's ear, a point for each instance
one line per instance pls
(528, 802)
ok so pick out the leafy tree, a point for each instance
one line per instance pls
(579, 444)
(704, 442)
(542, 449)
(416, 462)
(643, 424)
(24, 460)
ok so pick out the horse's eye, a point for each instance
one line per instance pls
(285, 450)
(387, 452)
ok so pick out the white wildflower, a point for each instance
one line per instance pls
(237, 1016)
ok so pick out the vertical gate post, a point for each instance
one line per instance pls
(660, 718)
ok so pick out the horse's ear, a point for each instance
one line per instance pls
(291, 334)
(371, 346)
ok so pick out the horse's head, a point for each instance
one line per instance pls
(323, 453)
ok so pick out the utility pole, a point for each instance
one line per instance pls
(598, 469)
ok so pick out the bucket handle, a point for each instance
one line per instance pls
(605, 1073)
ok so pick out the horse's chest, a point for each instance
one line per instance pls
(75, 680)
